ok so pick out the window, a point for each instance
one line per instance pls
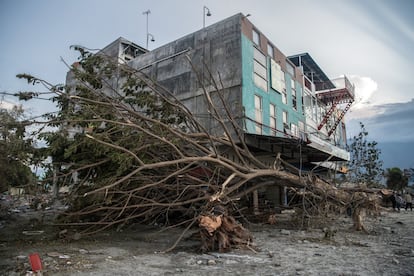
(294, 130)
(302, 134)
(256, 37)
(302, 100)
(258, 113)
(284, 96)
(277, 77)
(260, 69)
(290, 69)
(301, 126)
(259, 56)
(285, 119)
(309, 85)
(270, 50)
(272, 112)
(294, 99)
(307, 103)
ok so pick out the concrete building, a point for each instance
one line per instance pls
(284, 104)
(278, 100)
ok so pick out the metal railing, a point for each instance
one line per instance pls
(343, 82)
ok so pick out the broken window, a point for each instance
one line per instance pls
(277, 77)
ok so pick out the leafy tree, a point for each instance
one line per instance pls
(396, 179)
(15, 150)
(365, 165)
(88, 141)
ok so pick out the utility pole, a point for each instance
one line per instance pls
(205, 9)
(147, 34)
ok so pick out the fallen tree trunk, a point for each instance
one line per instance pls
(139, 155)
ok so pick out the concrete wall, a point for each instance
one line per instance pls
(179, 66)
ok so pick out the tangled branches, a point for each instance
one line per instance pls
(132, 152)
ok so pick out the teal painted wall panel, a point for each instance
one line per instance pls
(249, 89)
(247, 83)
(294, 115)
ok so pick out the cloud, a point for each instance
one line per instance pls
(365, 89)
(392, 123)
(393, 18)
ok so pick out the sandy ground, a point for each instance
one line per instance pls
(388, 249)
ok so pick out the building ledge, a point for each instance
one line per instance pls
(319, 144)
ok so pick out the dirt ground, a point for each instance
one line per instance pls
(388, 249)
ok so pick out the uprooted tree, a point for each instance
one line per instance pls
(131, 151)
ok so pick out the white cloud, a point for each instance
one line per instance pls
(365, 89)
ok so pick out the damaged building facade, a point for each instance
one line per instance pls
(284, 105)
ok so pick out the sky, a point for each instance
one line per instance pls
(370, 41)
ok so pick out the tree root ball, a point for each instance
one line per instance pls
(222, 233)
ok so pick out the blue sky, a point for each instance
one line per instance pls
(370, 41)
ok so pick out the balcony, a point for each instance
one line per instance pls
(343, 92)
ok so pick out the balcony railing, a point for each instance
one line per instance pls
(309, 85)
(343, 82)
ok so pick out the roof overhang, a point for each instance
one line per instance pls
(312, 71)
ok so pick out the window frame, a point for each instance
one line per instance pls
(256, 37)
(294, 95)
(285, 117)
(273, 119)
(290, 68)
(294, 129)
(260, 70)
(270, 50)
(258, 113)
(284, 96)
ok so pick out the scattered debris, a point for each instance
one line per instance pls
(35, 262)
